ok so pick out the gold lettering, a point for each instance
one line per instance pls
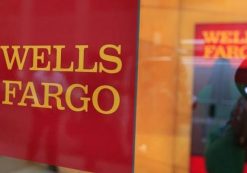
(9, 91)
(15, 57)
(39, 57)
(110, 58)
(81, 65)
(68, 94)
(59, 60)
(208, 51)
(116, 99)
(211, 36)
(32, 96)
(56, 95)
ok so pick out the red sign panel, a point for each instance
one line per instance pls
(227, 41)
(67, 82)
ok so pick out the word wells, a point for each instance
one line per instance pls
(52, 92)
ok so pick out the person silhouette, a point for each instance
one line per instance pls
(225, 151)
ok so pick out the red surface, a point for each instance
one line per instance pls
(198, 165)
(241, 73)
(233, 47)
(83, 140)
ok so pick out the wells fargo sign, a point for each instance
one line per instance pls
(29, 92)
(67, 82)
(221, 40)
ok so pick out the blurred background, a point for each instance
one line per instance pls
(174, 112)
